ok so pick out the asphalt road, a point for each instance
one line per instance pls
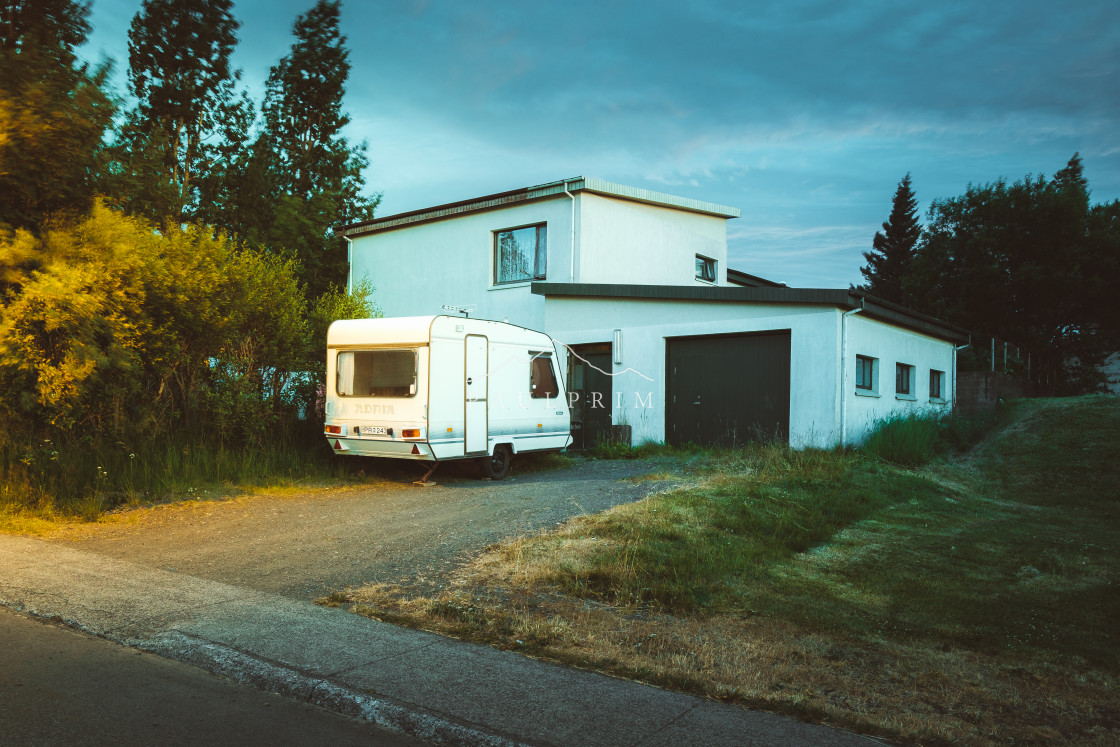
(61, 686)
(304, 545)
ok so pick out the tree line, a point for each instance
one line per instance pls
(1033, 262)
(167, 262)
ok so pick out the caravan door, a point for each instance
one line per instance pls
(475, 387)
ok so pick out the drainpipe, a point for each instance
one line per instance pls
(955, 350)
(844, 372)
(349, 266)
(572, 275)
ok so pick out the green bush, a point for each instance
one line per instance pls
(121, 346)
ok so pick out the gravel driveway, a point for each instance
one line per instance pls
(303, 545)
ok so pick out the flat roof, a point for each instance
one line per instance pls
(873, 307)
(738, 277)
(402, 329)
(539, 192)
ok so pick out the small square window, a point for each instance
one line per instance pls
(705, 269)
(936, 384)
(865, 373)
(903, 374)
(520, 254)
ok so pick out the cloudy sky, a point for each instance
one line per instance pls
(804, 115)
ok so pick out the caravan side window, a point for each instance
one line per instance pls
(542, 378)
(376, 373)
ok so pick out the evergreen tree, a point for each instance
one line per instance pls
(1030, 262)
(189, 120)
(1072, 178)
(315, 173)
(888, 262)
(53, 112)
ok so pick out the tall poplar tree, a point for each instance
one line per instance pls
(888, 262)
(316, 174)
(53, 112)
(190, 119)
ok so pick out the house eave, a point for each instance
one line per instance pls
(873, 307)
(531, 194)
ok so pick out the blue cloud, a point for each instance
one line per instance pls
(804, 114)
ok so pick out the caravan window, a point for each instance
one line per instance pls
(376, 373)
(542, 379)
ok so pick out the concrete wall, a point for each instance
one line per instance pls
(983, 390)
(639, 244)
(1111, 370)
(890, 345)
(818, 403)
(645, 324)
(417, 269)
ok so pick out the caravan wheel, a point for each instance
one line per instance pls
(497, 466)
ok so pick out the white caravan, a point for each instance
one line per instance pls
(433, 388)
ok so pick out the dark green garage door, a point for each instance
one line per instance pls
(729, 389)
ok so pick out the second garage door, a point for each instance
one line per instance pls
(728, 389)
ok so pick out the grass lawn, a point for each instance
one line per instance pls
(972, 600)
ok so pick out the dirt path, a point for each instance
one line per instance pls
(305, 545)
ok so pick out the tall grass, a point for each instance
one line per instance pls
(680, 551)
(910, 440)
(608, 449)
(914, 439)
(79, 478)
(696, 547)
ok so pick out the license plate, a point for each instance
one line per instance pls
(372, 430)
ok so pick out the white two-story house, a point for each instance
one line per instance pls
(665, 342)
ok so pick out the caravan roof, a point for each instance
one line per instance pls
(403, 330)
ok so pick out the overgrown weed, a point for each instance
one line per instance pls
(79, 479)
(917, 438)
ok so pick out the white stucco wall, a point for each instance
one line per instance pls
(417, 269)
(646, 323)
(635, 243)
(890, 345)
(816, 408)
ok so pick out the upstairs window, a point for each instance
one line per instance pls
(865, 373)
(705, 269)
(903, 379)
(542, 378)
(520, 254)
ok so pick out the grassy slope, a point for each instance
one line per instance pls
(974, 600)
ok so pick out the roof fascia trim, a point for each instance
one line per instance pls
(529, 194)
(845, 299)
